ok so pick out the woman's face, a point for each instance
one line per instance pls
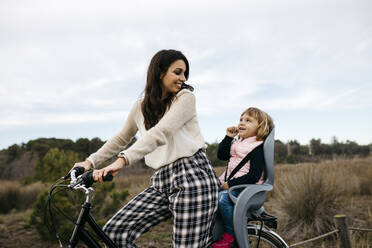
(174, 78)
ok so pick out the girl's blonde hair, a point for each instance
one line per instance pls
(265, 122)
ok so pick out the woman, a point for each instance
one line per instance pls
(184, 185)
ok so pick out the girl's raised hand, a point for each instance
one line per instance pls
(232, 131)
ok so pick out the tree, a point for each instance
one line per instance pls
(280, 151)
(55, 164)
(94, 145)
(316, 146)
(336, 147)
(295, 147)
(42, 145)
(14, 152)
(82, 147)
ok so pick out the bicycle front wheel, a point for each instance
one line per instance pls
(268, 238)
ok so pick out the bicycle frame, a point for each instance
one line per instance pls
(80, 233)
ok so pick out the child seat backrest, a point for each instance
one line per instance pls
(269, 157)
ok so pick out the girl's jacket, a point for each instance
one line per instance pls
(234, 151)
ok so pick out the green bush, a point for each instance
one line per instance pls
(292, 159)
(55, 164)
(106, 202)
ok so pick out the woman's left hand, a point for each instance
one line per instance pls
(112, 168)
(225, 186)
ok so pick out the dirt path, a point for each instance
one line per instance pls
(15, 232)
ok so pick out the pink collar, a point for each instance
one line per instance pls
(249, 139)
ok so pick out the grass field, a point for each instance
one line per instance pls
(305, 199)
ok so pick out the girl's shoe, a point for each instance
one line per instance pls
(227, 241)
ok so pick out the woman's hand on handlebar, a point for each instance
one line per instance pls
(87, 165)
(112, 168)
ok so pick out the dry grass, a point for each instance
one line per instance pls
(305, 198)
(14, 196)
(310, 201)
(136, 183)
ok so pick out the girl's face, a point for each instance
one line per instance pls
(247, 126)
(174, 78)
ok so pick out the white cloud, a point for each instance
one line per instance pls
(62, 57)
(34, 119)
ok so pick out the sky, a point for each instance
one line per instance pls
(74, 68)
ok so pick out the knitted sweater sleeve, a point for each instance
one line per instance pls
(257, 165)
(117, 142)
(181, 111)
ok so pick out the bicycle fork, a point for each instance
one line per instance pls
(80, 233)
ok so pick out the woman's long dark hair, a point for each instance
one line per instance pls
(154, 104)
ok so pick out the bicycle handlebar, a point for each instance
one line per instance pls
(75, 172)
(78, 176)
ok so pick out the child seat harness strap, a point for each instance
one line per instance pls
(241, 164)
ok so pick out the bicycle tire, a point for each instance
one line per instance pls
(269, 239)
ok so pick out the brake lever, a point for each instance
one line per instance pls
(78, 170)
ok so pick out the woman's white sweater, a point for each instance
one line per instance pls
(176, 135)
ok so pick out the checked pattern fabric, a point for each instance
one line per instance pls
(186, 190)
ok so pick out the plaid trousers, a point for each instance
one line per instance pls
(186, 190)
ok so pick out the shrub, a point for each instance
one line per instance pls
(292, 159)
(14, 196)
(55, 164)
(309, 199)
(366, 182)
(9, 195)
(106, 202)
(29, 194)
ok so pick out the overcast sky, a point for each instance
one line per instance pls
(71, 68)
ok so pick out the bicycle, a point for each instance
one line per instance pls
(259, 235)
(83, 181)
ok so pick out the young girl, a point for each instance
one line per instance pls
(254, 126)
(184, 185)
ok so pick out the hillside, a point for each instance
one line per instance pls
(18, 168)
(305, 198)
(19, 161)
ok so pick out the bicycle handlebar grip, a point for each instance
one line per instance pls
(108, 177)
(88, 180)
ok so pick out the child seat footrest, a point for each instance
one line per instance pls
(268, 219)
